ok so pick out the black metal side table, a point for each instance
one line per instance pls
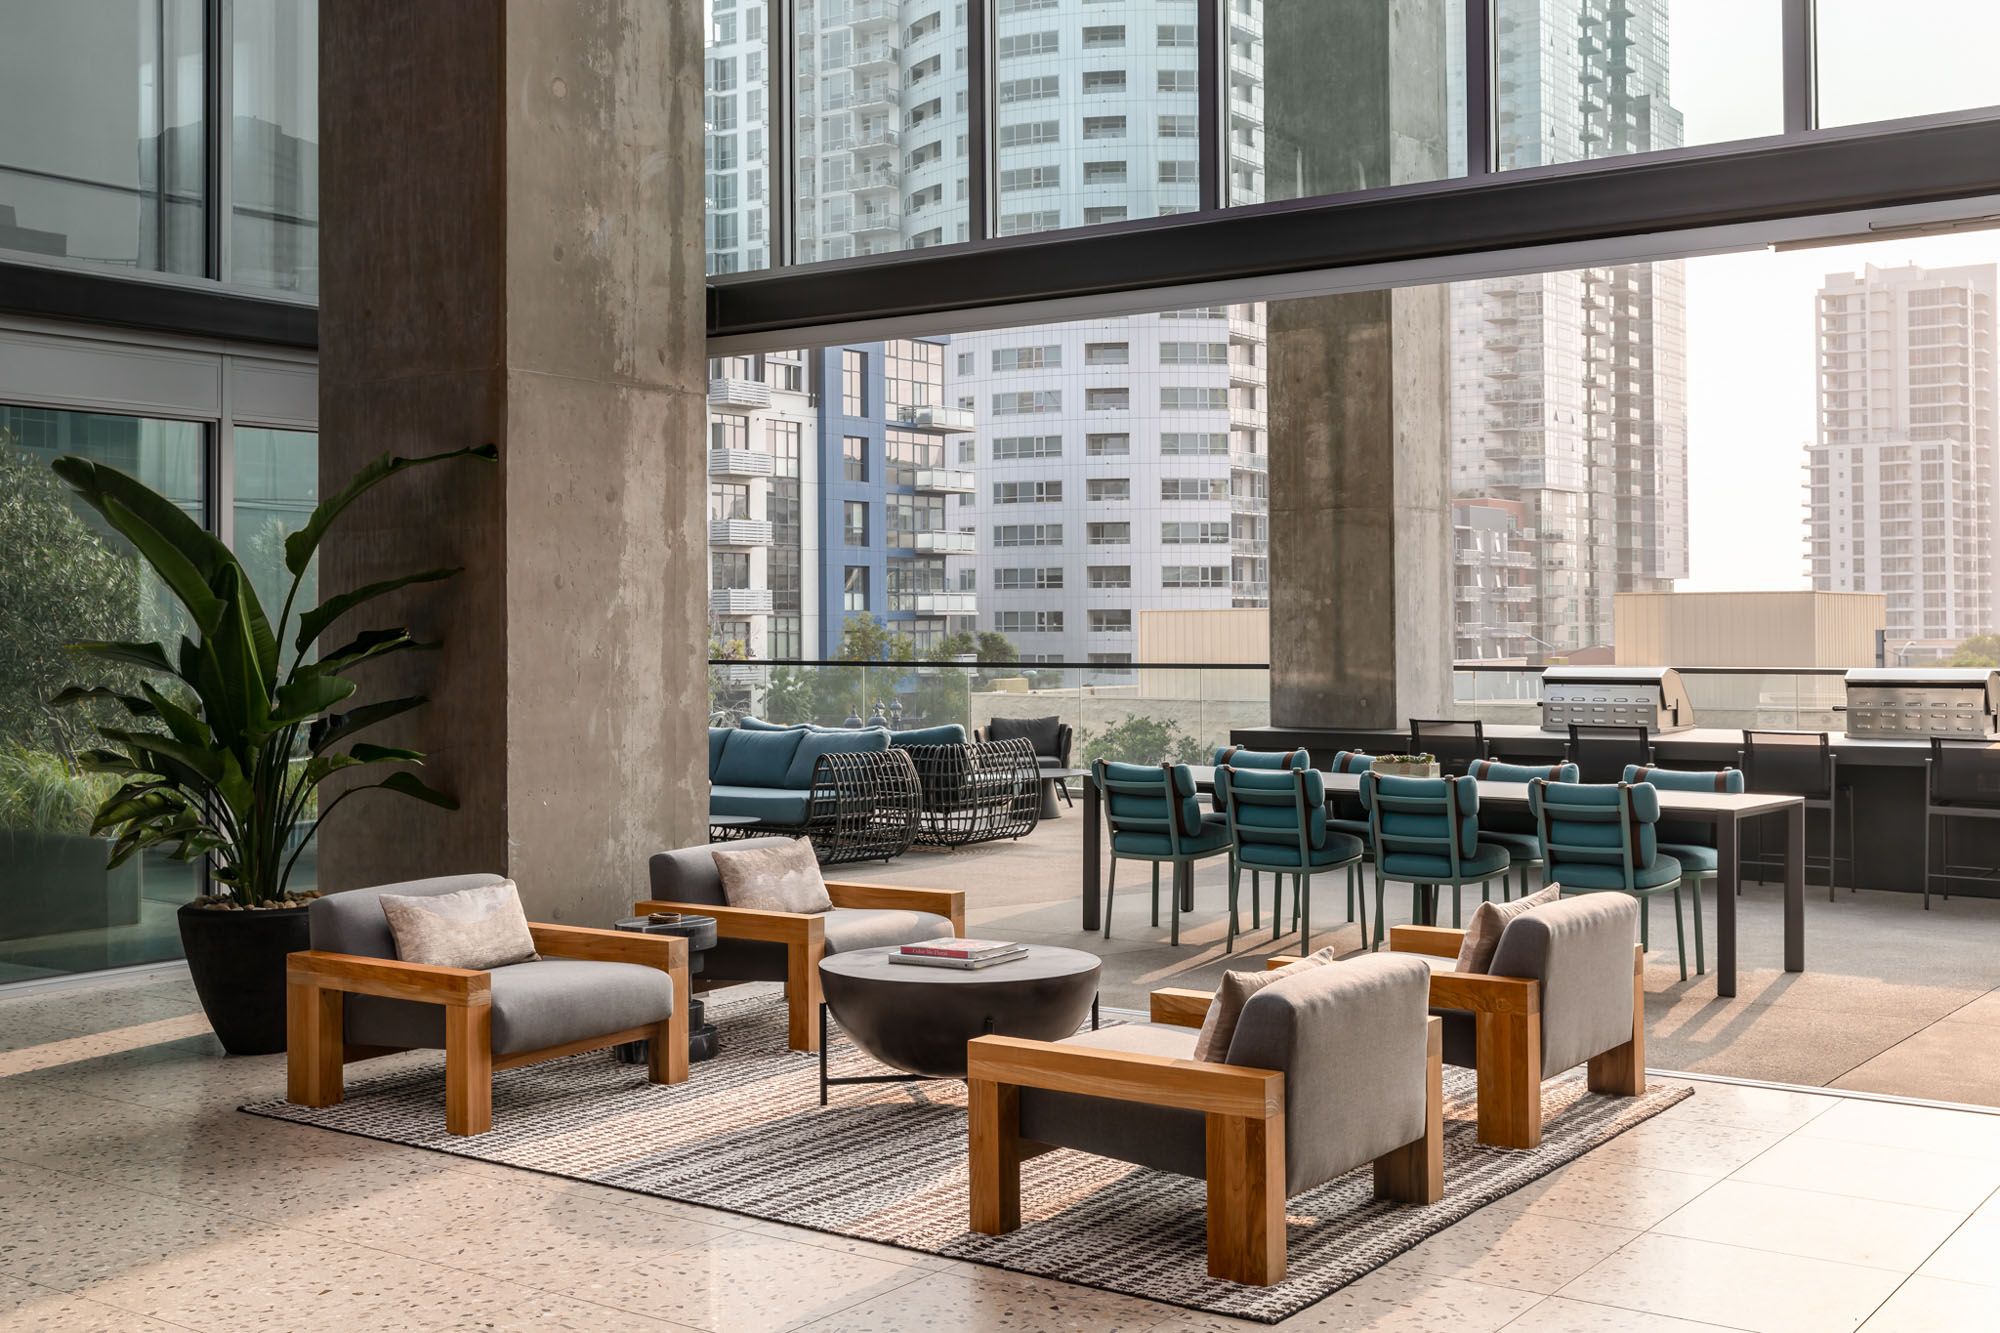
(699, 932)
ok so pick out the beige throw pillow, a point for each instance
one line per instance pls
(476, 928)
(1218, 1028)
(773, 879)
(1489, 921)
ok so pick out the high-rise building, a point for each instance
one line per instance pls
(1900, 477)
(1569, 389)
(763, 483)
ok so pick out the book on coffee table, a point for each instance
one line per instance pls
(958, 948)
(961, 964)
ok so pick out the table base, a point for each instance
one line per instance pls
(826, 1081)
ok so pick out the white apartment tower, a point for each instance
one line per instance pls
(1900, 477)
(1569, 390)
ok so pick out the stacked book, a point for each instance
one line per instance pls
(966, 955)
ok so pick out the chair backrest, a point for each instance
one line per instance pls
(1492, 770)
(1596, 824)
(1726, 780)
(1049, 735)
(1601, 752)
(1236, 755)
(1349, 1038)
(352, 921)
(1456, 744)
(1274, 807)
(1796, 763)
(1580, 949)
(1965, 772)
(689, 874)
(1351, 761)
(1425, 816)
(1150, 798)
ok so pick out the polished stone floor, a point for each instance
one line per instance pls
(1894, 999)
(133, 1196)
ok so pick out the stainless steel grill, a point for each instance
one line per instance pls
(1905, 703)
(1649, 697)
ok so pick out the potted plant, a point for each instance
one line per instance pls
(1406, 765)
(225, 755)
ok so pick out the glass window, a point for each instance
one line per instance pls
(854, 522)
(1878, 62)
(1581, 81)
(1111, 576)
(274, 145)
(881, 123)
(734, 79)
(67, 578)
(854, 458)
(102, 133)
(854, 589)
(277, 488)
(853, 379)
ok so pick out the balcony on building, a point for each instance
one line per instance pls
(945, 542)
(945, 480)
(738, 463)
(739, 601)
(942, 603)
(936, 420)
(739, 532)
(734, 395)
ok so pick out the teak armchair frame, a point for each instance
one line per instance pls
(804, 936)
(1245, 1110)
(316, 1049)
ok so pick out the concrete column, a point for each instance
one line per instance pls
(1361, 601)
(512, 252)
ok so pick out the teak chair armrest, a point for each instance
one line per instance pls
(949, 903)
(1437, 941)
(1182, 1008)
(1156, 1080)
(747, 923)
(666, 952)
(1484, 994)
(390, 978)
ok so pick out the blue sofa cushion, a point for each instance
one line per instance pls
(757, 758)
(869, 740)
(951, 734)
(773, 805)
(759, 724)
(717, 738)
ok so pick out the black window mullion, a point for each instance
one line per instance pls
(1212, 85)
(1801, 67)
(781, 168)
(1481, 154)
(215, 135)
(978, 121)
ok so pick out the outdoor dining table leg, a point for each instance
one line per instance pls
(1795, 886)
(1728, 870)
(1093, 884)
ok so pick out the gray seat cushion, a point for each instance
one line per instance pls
(1165, 1138)
(535, 1005)
(847, 929)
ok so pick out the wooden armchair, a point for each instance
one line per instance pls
(1577, 996)
(566, 1003)
(1365, 1078)
(787, 946)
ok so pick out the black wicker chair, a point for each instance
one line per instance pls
(976, 792)
(1051, 739)
(864, 807)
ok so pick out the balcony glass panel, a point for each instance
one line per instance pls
(1879, 62)
(1581, 79)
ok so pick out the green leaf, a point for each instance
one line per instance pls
(409, 784)
(366, 647)
(184, 725)
(151, 656)
(316, 621)
(233, 685)
(205, 765)
(77, 694)
(309, 697)
(336, 727)
(385, 754)
(181, 575)
(299, 547)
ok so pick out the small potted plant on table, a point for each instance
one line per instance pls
(1406, 765)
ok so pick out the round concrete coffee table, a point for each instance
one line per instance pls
(918, 1019)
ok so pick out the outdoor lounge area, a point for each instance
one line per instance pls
(1024, 666)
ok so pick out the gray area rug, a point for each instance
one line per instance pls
(887, 1163)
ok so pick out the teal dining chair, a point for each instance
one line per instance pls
(1604, 838)
(1155, 816)
(1523, 848)
(1692, 844)
(1241, 758)
(1346, 812)
(1277, 822)
(1426, 834)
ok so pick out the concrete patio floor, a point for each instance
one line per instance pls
(1894, 999)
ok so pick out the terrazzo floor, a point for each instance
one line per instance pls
(133, 1196)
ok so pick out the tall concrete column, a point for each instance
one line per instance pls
(1360, 543)
(512, 252)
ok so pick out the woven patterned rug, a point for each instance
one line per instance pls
(887, 1163)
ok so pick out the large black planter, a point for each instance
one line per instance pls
(238, 963)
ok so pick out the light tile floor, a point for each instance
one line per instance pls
(133, 1196)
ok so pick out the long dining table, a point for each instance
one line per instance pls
(1721, 811)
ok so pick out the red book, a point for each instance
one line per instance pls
(953, 948)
